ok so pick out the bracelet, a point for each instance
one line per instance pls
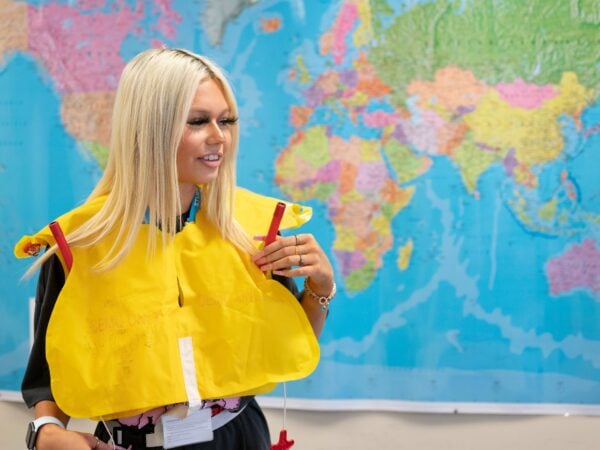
(323, 301)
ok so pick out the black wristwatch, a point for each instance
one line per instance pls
(34, 427)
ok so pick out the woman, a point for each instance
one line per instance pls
(168, 315)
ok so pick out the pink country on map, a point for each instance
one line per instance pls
(335, 40)
(77, 60)
(525, 95)
(90, 4)
(380, 119)
(168, 19)
(353, 19)
(577, 268)
(80, 48)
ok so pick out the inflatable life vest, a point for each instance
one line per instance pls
(198, 320)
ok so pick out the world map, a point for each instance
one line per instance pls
(449, 149)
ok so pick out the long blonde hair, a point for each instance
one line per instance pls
(152, 102)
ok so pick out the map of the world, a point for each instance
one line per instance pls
(450, 151)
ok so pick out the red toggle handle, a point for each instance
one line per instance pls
(63, 247)
(275, 221)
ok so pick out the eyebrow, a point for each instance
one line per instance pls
(204, 111)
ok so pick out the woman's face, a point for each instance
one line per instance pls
(206, 137)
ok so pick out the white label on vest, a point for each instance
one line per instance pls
(188, 367)
(196, 427)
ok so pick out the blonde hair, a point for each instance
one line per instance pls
(152, 102)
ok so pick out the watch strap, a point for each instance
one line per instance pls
(44, 420)
(34, 428)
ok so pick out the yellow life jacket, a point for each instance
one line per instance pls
(114, 340)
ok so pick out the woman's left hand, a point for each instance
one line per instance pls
(299, 255)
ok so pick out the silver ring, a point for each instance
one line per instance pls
(97, 444)
(300, 261)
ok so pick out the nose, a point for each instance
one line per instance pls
(216, 135)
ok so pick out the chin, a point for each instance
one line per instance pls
(204, 177)
(207, 179)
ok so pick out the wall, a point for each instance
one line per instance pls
(382, 431)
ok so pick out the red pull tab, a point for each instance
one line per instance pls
(283, 443)
(62, 244)
(275, 221)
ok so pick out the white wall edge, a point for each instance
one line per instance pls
(431, 407)
(303, 404)
(11, 396)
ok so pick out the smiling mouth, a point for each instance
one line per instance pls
(212, 157)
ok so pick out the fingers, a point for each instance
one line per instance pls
(297, 255)
(96, 444)
(281, 247)
(285, 252)
(101, 445)
(105, 446)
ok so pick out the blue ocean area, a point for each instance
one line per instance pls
(52, 174)
(584, 167)
(571, 135)
(461, 387)
(486, 327)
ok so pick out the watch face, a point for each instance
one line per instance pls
(30, 436)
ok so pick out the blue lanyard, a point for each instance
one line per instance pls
(196, 202)
(195, 207)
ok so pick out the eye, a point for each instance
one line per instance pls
(198, 121)
(228, 121)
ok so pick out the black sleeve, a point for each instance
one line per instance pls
(36, 382)
(290, 284)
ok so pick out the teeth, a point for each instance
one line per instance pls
(211, 158)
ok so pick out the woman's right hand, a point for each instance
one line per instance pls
(53, 437)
